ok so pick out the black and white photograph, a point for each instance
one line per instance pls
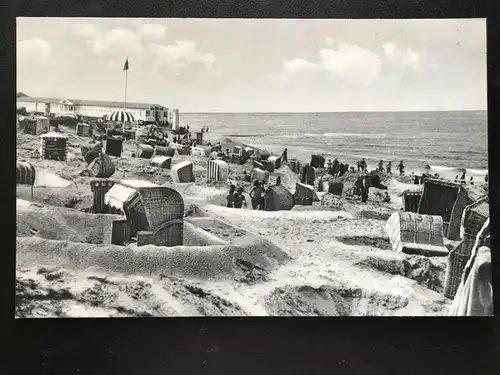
(176, 167)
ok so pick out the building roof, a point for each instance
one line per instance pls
(97, 103)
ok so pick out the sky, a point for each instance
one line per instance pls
(258, 65)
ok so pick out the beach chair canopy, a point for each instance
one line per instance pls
(121, 116)
(123, 190)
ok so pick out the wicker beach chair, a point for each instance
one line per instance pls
(473, 219)
(99, 189)
(114, 147)
(183, 172)
(411, 200)
(335, 187)
(101, 167)
(304, 194)
(445, 199)
(163, 162)
(156, 215)
(144, 151)
(259, 175)
(412, 233)
(164, 151)
(278, 198)
(217, 170)
(276, 161)
(25, 174)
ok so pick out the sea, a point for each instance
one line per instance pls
(436, 142)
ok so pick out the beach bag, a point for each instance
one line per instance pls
(101, 167)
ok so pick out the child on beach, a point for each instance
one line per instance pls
(388, 168)
(230, 196)
(239, 199)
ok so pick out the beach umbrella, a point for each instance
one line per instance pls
(67, 115)
(121, 116)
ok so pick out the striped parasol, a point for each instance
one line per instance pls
(121, 116)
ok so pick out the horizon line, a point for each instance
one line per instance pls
(373, 111)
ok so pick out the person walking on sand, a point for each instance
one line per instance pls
(471, 180)
(401, 168)
(388, 168)
(463, 178)
(381, 166)
(256, 195)
(284, 156)
(359, 166)
(230, 196)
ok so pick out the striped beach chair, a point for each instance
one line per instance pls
(25, 174)
(217, 170)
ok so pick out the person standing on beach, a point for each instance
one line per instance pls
(329, 165)
(365, 189)
(381, 166)
(388, 168)
(358, 165)
(471, 180)
(239, 199)
(230, 196)
(362, 165)
(463, 178)
(256, 195)
(401, 168)
(284, 156)
(278, 180)
(486, 178)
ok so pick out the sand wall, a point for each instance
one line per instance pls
(198, 262)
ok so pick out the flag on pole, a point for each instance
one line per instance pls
(125, 67)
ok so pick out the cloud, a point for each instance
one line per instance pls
(122, 41)
(403, 58)
(348, 62)
(86, 30)
(153, 30)
(298, 64)
(33, 50)
(180, 54)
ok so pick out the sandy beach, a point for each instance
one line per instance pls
(310, 261)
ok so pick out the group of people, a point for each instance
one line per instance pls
(361, 188)
(471, 180)
(204, 129)
(235, 198)
(258, 193)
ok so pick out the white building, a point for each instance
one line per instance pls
(93, 108)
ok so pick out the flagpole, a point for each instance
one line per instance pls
(126, 79)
